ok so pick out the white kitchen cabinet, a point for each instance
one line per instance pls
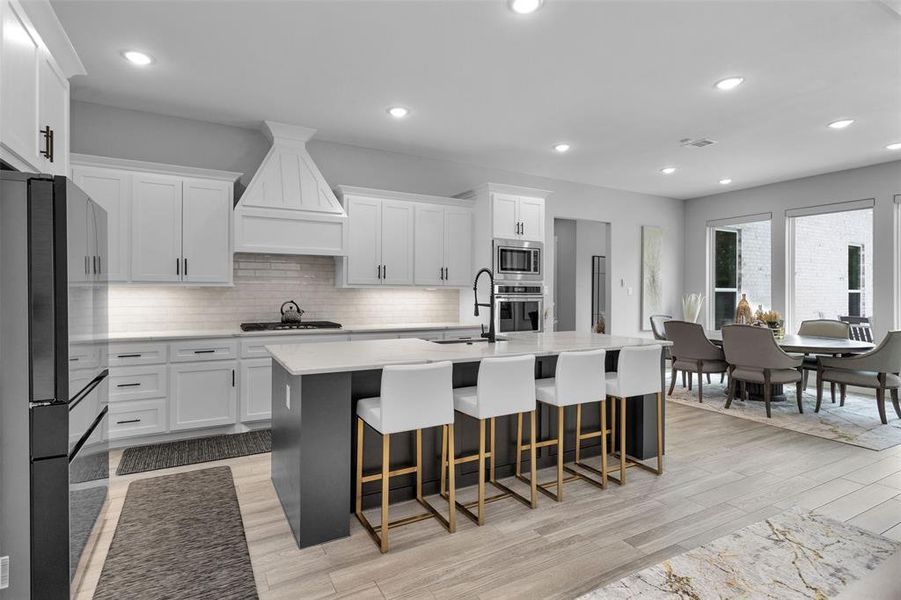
(206, 231)
(136, 418)
(443, 246)
(380, 241)
(202, 394)
(364, 237)
(34, 90)
(111, 189)
(256, 389)
(518, 217)
(156, 228)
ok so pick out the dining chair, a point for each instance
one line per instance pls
(693, 353)
(878, 369)
(824, 328)
(755, 357)
(658, 327)
(860, 328)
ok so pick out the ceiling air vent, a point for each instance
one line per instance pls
(697, 143)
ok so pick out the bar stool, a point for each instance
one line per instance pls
(579, 379)
(505, 386)
(637, 373)
(413, 397)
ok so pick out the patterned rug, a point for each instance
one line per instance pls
(857, 423)
(793, 555)
(179, 537)
(189, 452)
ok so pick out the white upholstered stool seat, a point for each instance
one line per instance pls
(413, 398)
(505, 386)
(638, 373)
(578, 379)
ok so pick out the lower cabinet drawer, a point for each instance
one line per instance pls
(128, 354)
(136, 418)
(138, 383)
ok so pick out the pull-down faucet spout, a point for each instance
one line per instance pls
(491, 335)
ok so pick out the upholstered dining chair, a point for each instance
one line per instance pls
(658, 327)
(693, 353)
(824, 328)
(755, 357)
(878, 369)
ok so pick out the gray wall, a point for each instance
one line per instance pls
(880, 182)
(591, 240)
(565, 274)
(142, 136)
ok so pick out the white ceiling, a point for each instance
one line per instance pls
(622, 82)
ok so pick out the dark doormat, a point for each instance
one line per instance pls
(179, 537)
(190, 452)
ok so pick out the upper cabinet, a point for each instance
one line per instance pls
(167, 224)
(399, 239)
(34, 87)
(518, 217)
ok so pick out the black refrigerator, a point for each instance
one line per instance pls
(54, 451)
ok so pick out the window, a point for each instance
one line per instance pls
(830, 258)
(598, 289)
(855, 280)
(739, 263)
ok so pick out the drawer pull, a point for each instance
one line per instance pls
(121, 385)
(128, 355)
(128, 421)
(204, 351)
(73, 359)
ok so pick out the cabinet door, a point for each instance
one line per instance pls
(156, 228)
(397, 243)
(77, 239)
(531, 217)
(428, 247)
(364, 240)
(506, 223)
(458, 247)
(256, 389)
(202, 394)
(206, 231)
(111, 189)
(53, 112)
(19, 54)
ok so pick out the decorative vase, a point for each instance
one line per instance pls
(691, 307)
(778, 328)
(601, 325)
(743, 314)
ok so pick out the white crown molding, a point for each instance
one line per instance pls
(282, 132)
(44, 20)
(349, 190)
(503, 188)
(88, 160)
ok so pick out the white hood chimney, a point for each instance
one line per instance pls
(288, 208)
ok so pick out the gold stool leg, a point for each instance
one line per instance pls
(518, 444)
(443, 486)
(419, 464)
(386, 468)
(612, 421)
(559, 495)
(659, 433)
(491, 453)
(604, 443)
(451, 492)
(358, 502)
(481, 512)
(622, 441)
(532, 460)
(578, 431)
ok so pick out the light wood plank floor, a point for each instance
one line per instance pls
(722, 473)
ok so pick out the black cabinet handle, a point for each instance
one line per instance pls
(186, 266)
(128, 421)
(47, 134)
(73, 359)
(384, 271)
(178, 266)
(204, 351)
(128, 356)
(446, 271)
(122, 385)
(233, 378)
(378, 271)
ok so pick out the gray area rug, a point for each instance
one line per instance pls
(189, 452)
(179, 537)
(856, 423)
(793, 555)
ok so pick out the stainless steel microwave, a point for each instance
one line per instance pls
(518, 260)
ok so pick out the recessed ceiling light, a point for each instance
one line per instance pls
(729, 83)
(725, 181)
(398, 112)
(895, 146)
(525, 7)
(668, 170)
(562, 147)
(137, 58)
(840, 124)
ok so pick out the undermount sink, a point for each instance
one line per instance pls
(469, 340)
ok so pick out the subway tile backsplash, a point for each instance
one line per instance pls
(262, 283)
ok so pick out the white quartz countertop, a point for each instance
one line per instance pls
(335, 357)
(236, 332)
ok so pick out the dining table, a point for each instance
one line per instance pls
(801, 344)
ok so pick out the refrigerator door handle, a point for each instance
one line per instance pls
(87, 389)
(88, 433)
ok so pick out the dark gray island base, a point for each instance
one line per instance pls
(313, 434)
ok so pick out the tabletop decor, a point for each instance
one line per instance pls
(691, 306)
(743, 311)
(773, 320)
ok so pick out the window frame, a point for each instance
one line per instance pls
(860, 278)
(897, 238)
(716, 290)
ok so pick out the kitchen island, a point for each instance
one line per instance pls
(315, 390)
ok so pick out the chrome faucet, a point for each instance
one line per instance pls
(491, 335)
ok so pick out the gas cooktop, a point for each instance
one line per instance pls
(278, 326)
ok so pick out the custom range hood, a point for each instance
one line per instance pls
(288, 208)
